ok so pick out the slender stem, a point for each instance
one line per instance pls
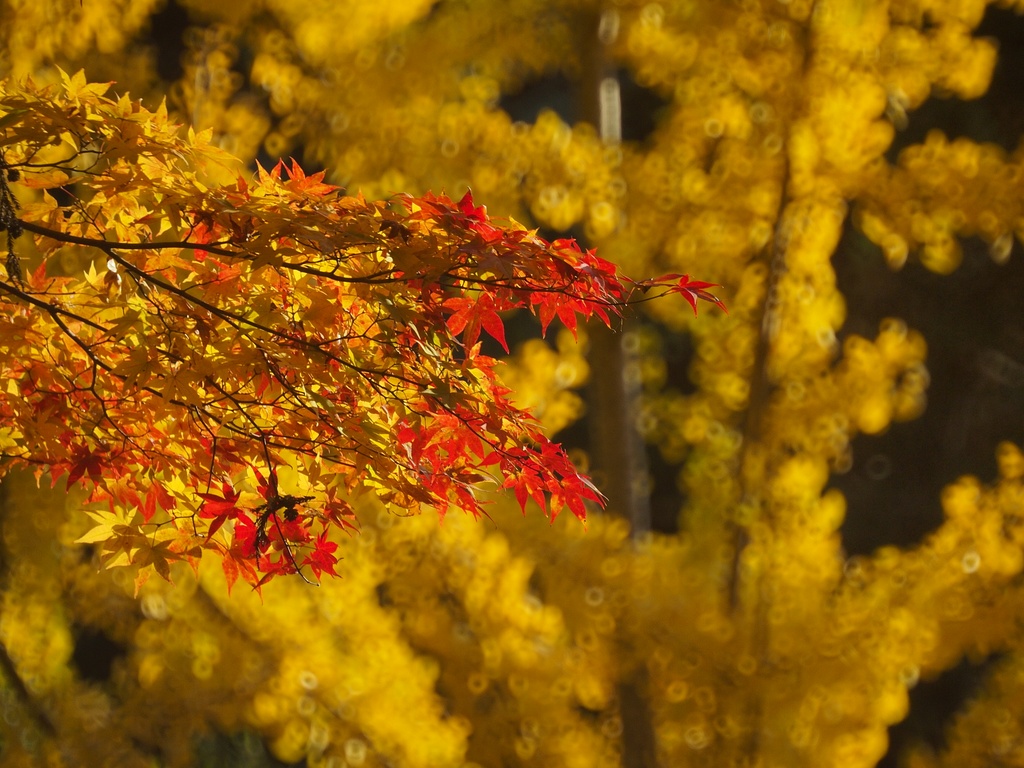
(30, 705)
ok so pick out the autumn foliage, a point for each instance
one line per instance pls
(235, 363)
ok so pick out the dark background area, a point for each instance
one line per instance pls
(974, 323)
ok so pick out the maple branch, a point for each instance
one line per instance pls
(236, 320)
(50, 309)
(374, 278)
(91, 242)
(21, 692)
(56, 313)
(282, 323)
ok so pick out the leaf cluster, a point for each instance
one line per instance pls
(220, 334)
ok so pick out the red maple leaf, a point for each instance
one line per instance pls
(90, 463)
(322, 559)
(469, 314)
(476, 213)
(219, 508)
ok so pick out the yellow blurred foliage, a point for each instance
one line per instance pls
(752, 638)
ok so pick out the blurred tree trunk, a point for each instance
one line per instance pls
(617, 450)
